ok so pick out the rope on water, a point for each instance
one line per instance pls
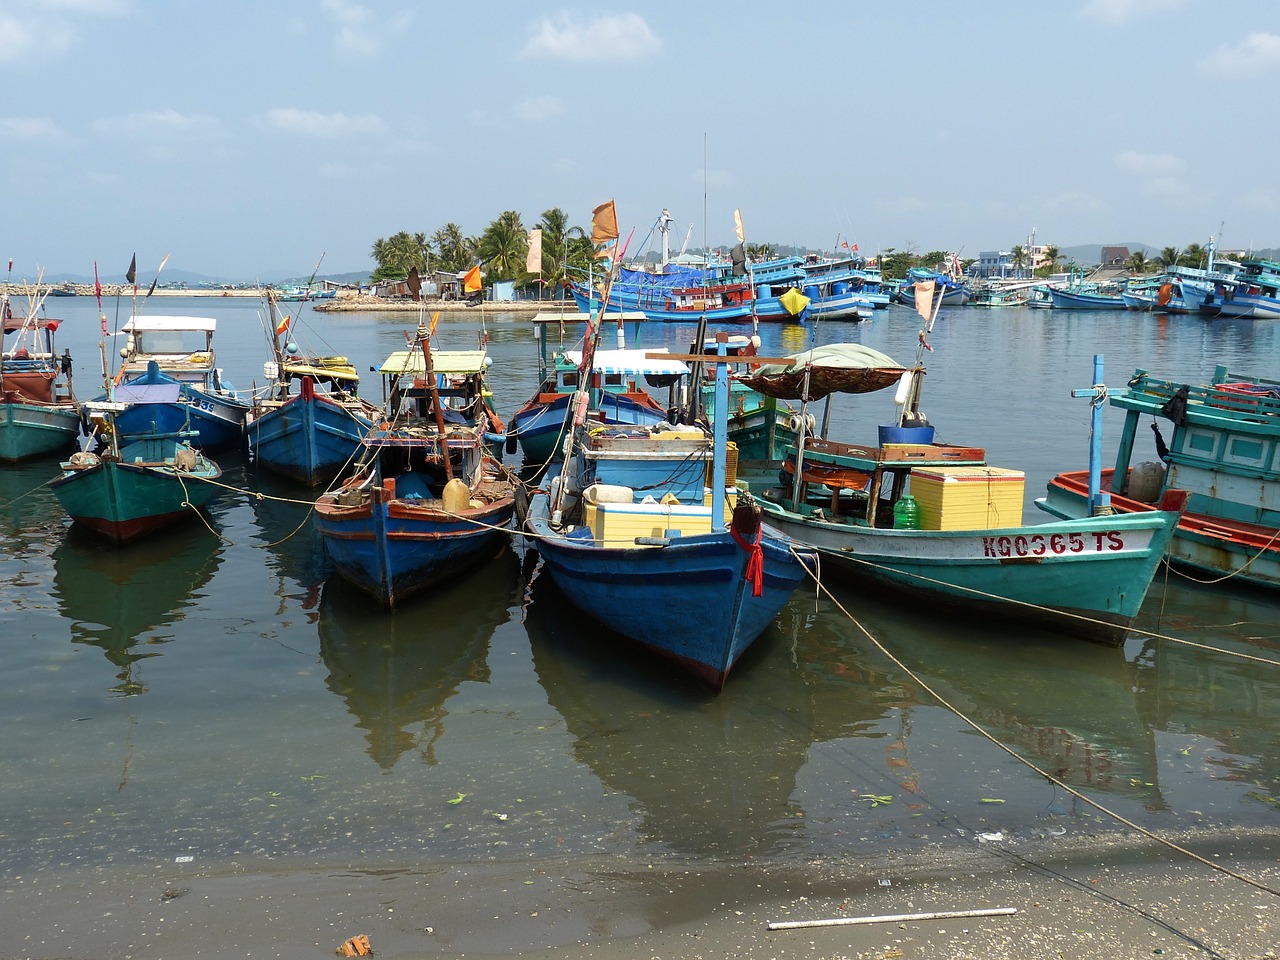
(1119, 818)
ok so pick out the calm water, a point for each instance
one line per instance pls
(216, 695)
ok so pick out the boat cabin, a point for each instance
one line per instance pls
(181, 347)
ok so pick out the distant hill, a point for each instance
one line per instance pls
(1090, 254)
(191, 279)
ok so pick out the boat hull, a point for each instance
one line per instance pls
(688, 600)
(123, 501)
(1068, 300)
(1086, 578)
(1247, 553)
(30, 430)
(393, 549)
(308, 439)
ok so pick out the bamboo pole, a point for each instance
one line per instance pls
(891, 918)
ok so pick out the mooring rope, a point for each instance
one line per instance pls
(1119, 818)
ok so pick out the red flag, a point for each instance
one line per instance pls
(97, 284)
(845, 244)
(855, 248)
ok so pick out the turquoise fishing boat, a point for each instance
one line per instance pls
(938, 524)
(39, 415)
(129, 488)
(426, 500)
(1224, 451)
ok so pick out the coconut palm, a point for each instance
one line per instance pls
(1137, 262)
(1050, 262)
(398, 254)
(454, 251)
(1169, 257)
(1194, 256)
(1018, 258)
(503, 247)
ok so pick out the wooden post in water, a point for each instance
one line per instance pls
(1099, 502)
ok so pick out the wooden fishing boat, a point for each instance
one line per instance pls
(937, 523)
(39, 415)
(131, 487)
(1224, 451)
(631, 532)
(309, 421)
(168, 350)
(426, 500)
(540, 426)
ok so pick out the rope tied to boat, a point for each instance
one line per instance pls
(1100, 395)
(746, 520)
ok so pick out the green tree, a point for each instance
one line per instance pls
(1137, 262)
(397, 254)
(1018, 258)
(1194, 256)
(894, 264)
(503, 247)
(1169, 257)
(454, 251)
(556, 234)
(1050, 262)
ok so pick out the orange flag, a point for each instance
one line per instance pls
(604, 223)
(924, 298)
(471, 282)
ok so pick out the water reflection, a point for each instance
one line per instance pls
(396, 670)
(707, 775)
(128, 602)
(295, 551)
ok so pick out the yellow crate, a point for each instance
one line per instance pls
(968, 498)
(618, 524)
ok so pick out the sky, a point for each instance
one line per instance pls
(246, 140)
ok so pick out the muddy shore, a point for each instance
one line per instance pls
(1107, 898)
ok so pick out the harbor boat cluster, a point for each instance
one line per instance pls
(697, 486)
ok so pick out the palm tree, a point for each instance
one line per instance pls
(503, 247)
(1050, 262)
(555, 245)
(1169, 257)
(1194, 256)
(1018, 258)
(1137, 262)
(398, 254)
(454, 252)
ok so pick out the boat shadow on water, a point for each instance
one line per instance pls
(396, 670)
(131, 604)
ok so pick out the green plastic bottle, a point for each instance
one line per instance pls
(906, 513)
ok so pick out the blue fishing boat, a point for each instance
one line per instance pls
(618, 382)
(838, 289)
(309, 421)
(1253, 293)
(938, 524)
(128, 488)
(630, 532)
(427, 500)
(39, 415)
(955, 291)
(1224, 451)
(178, 350)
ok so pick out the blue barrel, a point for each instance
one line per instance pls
(764, 291)
(840, 287)
(810, 291)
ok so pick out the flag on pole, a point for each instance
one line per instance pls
(414, 283)
(132, 275)
(97, 284)
(471, 282)
(855, 248)
(737, 226)
(533, 259)
(738, 256)
(924, 298)
(604, 223)
(283, 326)
(157, 277)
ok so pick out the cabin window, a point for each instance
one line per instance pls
(570, 379)
(613, 379)
(1203, 442)
(1246, 451)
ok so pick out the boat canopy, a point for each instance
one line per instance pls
(411, 362)
(834, 368)
(330, 368)
(630, 363)
(148, 393)
(143, 324)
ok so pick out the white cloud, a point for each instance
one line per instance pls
(322, 125)
(536, 109)
(169, 123)
(358, 32)
(1149, 164)
(45, 29)
(1122, 11)
(1256, 54)
(25, 37)
(29, 128)
(624, 36)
